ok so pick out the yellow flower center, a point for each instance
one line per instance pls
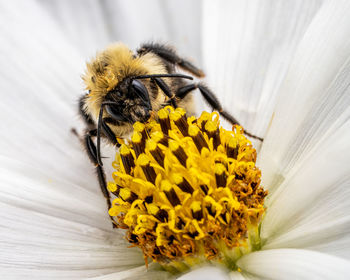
(188, 191)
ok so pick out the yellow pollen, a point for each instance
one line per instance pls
(139, 127)
(163, 113)
(219, 169)
(157, 136)
(124, 150)
(173, 145)
(152, 209)
(124, 193)
(188, 191)
(151, 145)
(143, 160)
(193, 130)
(232, 143)
(196, 206)
(166, 186)
(136, 137)
(210, 126)
(175, 116)
(177, 178)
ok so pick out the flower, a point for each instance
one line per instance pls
(282, 69)
(188, 191)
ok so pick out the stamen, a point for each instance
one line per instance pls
(204, 188)
(160, 138)
(182, 183)
(138, 143)
(220, 175)
(127, 158)
(180, 121)
(141, 128)
(147, 169)
(196, 210)
(213, 132)
(127, 195)
(164, 120)
(197, 137)
(203, 120)
(232, 148)
(155, 151)
(170, 193)
(178, 151)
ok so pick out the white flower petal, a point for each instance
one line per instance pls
(294, 264)
(85, 23)
(50, 225)
(313, 95)
(41, 84)
(323, 226)
(247, 49)
(206, 273)
(93, 24)
(153, 272)
(312, 205)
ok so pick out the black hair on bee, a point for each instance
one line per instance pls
(124, 88)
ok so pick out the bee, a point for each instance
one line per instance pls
(125, 87)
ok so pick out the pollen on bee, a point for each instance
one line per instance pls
(188, 190)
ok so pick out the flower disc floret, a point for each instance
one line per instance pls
(188, 190)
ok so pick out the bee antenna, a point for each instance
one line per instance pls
(99, 126)
(163, 76)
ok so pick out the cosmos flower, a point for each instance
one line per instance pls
(282, 69)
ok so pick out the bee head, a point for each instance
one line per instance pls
(129, 102)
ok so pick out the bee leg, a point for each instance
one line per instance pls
(210, 97)
(107, 131)
(169, 55)
(92, 154)
(165, 88)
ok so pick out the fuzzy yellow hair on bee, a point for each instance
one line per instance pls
(112, 66)
(125, 87)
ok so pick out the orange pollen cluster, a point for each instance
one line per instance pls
(187, 189)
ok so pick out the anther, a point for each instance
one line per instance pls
(127, 159)
(182, 183)
(114, 188)
(203, 120)
(127, 195)
(197, 137)
(204, 188)
(213, 132)
(138, 143)
(220, 175)
(196, 210)
(160, 214)
(170, 193)
(180, 121)
(164, 120)
(232, 148)
(147, 169)
(178, 151)
(160, 138)
(155, 151)
(141, 128)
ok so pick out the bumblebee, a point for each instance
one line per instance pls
(125, 87)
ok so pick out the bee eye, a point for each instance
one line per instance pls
(115, 113)
(140, 89)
